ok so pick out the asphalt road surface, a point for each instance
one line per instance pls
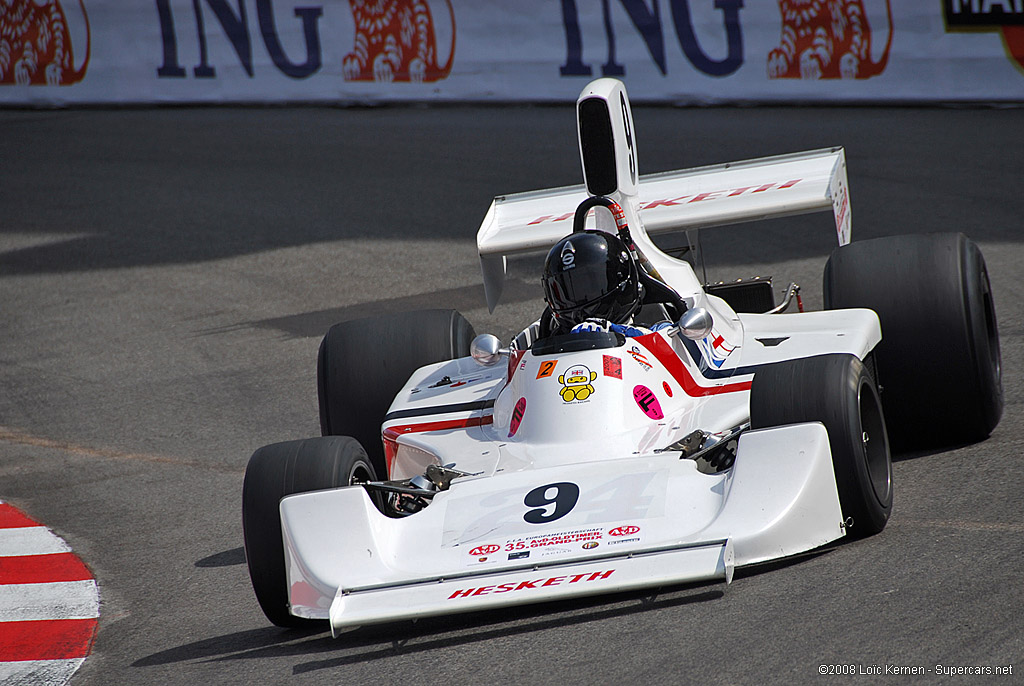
(165, 277)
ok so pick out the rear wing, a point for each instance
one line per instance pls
(687, 199)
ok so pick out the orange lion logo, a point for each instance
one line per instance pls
(35, 45)
(395, 41)
(826, 39)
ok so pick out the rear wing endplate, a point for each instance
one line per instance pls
(687, 199)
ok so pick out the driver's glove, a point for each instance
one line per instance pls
(629, 331)
(591, 325)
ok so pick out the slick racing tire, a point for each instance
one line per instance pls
(364, 363)
(939, 364)
(275, 471)
(838, 391)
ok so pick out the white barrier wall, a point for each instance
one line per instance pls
(56, 52)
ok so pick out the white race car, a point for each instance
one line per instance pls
(455, 474)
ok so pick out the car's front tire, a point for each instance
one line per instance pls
(838, 391)
(273, 472)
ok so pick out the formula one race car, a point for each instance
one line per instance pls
(710, 432)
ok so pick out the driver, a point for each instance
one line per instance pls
(591, 283)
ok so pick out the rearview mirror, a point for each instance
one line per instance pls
(695, 323)
(485, 349)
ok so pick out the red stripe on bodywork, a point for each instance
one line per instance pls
(51, 639)
(513, 364)
(662, 350)
(13, 518)
(38, 569)
(392, 433)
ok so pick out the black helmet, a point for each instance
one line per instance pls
(591, 274)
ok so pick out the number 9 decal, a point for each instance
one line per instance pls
(566, 495)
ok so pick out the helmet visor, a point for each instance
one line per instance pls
(590, 275)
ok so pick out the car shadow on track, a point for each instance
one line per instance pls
(227, 558)
(485, 626)
(264, 641)
(387, 640)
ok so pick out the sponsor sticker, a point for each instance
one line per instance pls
(647, 402)
(612, 367)
(624, 530)
(577, 383)
(543, 545)
(517, 417)
(568, 256)
(625, 540)
(640, 358)
(546, 540)
(668, 389)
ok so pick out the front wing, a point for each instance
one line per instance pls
(633, 522)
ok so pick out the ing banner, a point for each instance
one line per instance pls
(61, 52)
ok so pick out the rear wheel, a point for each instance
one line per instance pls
(273, 472)
(938, 362)
(364, 363)
(837, 391)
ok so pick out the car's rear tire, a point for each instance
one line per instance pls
(938, 363)
(273, 472)
(838, 391)
(363, 364)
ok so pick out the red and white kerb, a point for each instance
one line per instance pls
(49, 603)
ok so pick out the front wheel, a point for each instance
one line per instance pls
(838, 391)
(273, 472)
